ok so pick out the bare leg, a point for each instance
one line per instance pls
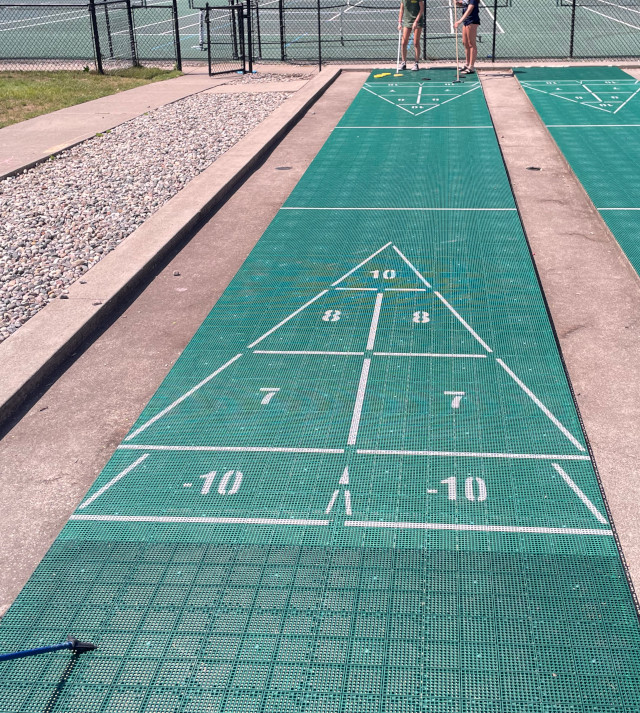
(467, 45)
(406, 32)
(416, 42)
(473, 49)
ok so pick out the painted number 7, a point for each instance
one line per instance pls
(457, 398)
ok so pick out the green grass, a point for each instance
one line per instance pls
(24, 95)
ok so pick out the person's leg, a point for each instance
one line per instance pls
(416, 42)
(467, 46)
(406, 32)
(473, 49)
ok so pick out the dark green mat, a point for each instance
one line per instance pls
(595, 122)
(364, 485)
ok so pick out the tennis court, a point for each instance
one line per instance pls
(594, 115)
(364, 485)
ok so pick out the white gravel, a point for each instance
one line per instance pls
(63, 216)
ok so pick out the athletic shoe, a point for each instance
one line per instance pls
(468, 71)
(402, 66)
(415, 67)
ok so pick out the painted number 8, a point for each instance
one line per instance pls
(331, 315)
(421, 317)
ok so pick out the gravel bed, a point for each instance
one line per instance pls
(63, 216)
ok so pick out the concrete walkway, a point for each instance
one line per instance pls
(24, 144)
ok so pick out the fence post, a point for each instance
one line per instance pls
(283, 54)
(96, 38)
(208, 24)
(495, 26)
(319, 41)
(249, 37)
(242, 43)
(176, 31)
(132, 35)
(108, 24)
(258, 29)
(573, 27)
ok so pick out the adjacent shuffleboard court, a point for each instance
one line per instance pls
(364, 485)
(593, 113)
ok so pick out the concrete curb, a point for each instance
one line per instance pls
(31, 354)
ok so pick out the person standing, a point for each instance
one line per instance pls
(470, 20)
(410, 20)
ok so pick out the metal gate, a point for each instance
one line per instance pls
(227, 38)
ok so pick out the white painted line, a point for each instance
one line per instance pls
(599, 516)
(541, 406)
(113, 481)
(412, 267)
(358, 289)
(592, 92)
(591, 126)
(627, 100)
(266, 334)
(357, 411)
(268, 388)
(347, 502)
(404, 289)
(620, 7)
(459, 318)
(264, 351)
(420, 128)
(387, 100)
(457, 96)
(435, 210)
(427, 354)
(332, 502)
(357, 267)
(230, 449)
(199, 520)
(476, 528)
(181, 399)
(602, 14)
(463, 454)
(491, 15)
(454, 393)
(617, 208)
(559, 96)
(374, 321)
(580, 81)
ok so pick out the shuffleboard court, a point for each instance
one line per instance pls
(593, 114)
(364, 485)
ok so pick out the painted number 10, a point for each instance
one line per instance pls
(225, 481)
(475, 489)
(386, 275)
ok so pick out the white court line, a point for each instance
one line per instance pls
(357, 267)
(420, 128)
(358, 289)
(476, 528)
(233, 449)
(357, 411)
(469, 454)
(605, 82)
(559, 96)
(592, 92)
(181, 399)
(457, 316)
(541, 406)
(113, 481)
(579, 126)
(627, 100)
(457, 96)
(397, 209)
(617, 208)
(580, 494)
(404, 289)
(595, 12)
(199, 520)
(387, 100)
(619, 7)
(264, 351)
(450, 356)
(412, 267)
(273, 329)
(491, 15)
(374, 321)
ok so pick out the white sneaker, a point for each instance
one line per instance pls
(415, 67)
(402, 66)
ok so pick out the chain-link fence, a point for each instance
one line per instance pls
(366, 30)
(104, 35)
(116, 33)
